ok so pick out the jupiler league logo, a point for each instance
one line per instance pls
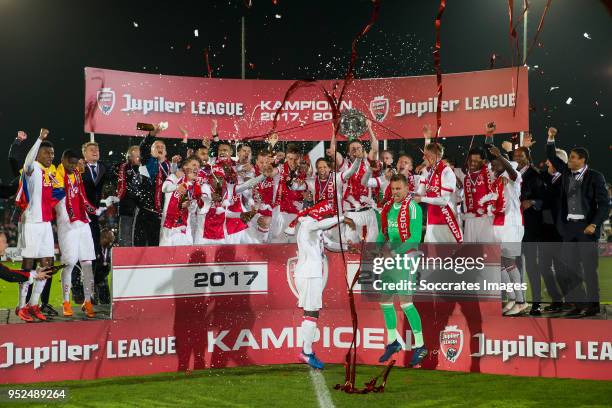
(451, 342)
(106, 100)
(379, 107)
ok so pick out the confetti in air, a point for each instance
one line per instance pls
(196, 32)
(569, 100)
(110, 153)
(552, 88)
(135, 24)
(277, 15)
(587, 36)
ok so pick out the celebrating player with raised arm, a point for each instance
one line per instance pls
(436, 186)
(508, 226)
(36, 195)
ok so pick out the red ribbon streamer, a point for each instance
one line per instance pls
(335, 103)
(436, 55)
(207, 63)
(514, 38)
(540, 26)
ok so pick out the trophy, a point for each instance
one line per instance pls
(352, 124)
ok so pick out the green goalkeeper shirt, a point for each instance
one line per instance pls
(416, 224)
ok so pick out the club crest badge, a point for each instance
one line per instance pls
(106, 100)
(379, 107)
(451, 343)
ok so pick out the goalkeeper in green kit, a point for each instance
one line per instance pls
(402, 224)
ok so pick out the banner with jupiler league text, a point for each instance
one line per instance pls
(116, 100)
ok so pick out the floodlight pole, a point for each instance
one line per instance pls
(242, 52)
(522, 134)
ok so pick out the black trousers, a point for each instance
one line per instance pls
(146, 228)
(580, 261)
(550, 263)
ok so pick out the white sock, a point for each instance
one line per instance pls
(67, 281)
(23, 293)
(37, 289)
(505, 278)
(515, 277)
(88, 279)
(309, 329)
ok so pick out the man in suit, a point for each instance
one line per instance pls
(584, 206)
(549, 261)
(94, 177)
(532, 194)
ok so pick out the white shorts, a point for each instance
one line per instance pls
(310, 293)
(175, 236)
(206, 241)
(510, 237)
(198, 232)
(362, 219)
(76, 242)
(478, 229)
(237, 238)
(439, 233)
(280, 222)
(37, 240)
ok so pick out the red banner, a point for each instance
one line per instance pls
(115, 101)
(202, 307)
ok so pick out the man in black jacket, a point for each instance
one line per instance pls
(94, 177)
(153, 158)
(584, 206)
(129, 184)
(550, 259)
(16, 157)
(532, 194)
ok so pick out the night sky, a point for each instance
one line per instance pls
(46, 44)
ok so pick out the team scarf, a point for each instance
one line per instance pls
(75, 194)
(321, 210)
(216, 223)
(284, 193)
(403, 219)
(234, 225)
(52, 192)
(498, 200)
(22, 199)
(434, 189)
(263, 192)
(225, 167)
(475, 190)
(162, 173)
(326, 191)
(354, 187)
(121, 180)
(176, 215)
